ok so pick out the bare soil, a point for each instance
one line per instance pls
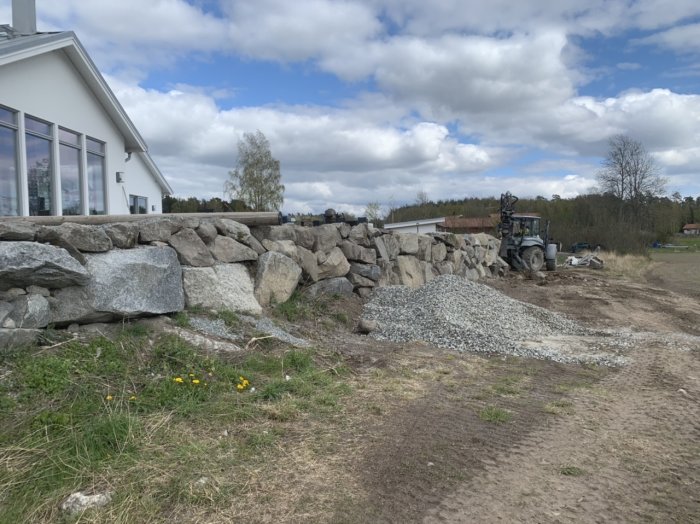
(417, 439)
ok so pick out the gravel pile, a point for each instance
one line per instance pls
(453, 312)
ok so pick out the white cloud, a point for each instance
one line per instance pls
(296, 31)
(681, 39)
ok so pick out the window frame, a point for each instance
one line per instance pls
(15, 128)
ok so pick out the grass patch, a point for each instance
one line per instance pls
(181, 319)
(230, 318)
(495, 414)
(627, 266)
(154, 421)
(571, 471)
(559, 407)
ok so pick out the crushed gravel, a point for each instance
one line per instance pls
(453, 312)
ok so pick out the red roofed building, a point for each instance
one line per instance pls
(691, 229)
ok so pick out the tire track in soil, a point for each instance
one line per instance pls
(438, 441)
(637, 441)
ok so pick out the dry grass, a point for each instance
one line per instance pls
(633, 267)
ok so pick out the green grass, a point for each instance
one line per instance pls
(113, 414)
(495, 414)
(571, 471)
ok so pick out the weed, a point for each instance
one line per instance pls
(341, 317)
(182, 319)
(571, 471)
(494, 414)
(229, 317)
(559, 407)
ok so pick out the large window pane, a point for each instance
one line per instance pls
(39, 175)
(8, 172)
(138, 205)
(96, 184)
(70, 180)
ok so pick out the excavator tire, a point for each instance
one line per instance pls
(534, 258)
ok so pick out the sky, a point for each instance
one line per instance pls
(380, 100)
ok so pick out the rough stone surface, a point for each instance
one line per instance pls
(226, 249)
(360, 281)
(326, 237)
(18, 338)
(343, 229)
(358, 253)
(389, 275)
(330, 287)
(334, 265)
(207, 232)
(226, 286)
(254, 244)
(428, 272)
(380, 246)
(276, 279)
(393, 247)
(30, 311)
(75, 305)
(364, 292)
(286, 247)
(367, 326)
(38, 290)
(438, 252)
(444, 267)
(191, 251)
(154, 229)
(12, 293)
(16, 230)
(29, 263)
(308, 262)
(79, 502)
(371, 271)
(231, 228)
(88, 239)
(361, 235)
(410, 272)
(5, 310)
(124, 235)
(305, 237)
(425, 251)
(136, 281)
(408, 243)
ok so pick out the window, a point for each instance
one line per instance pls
(69, 153)
(138, 205)
(96, 176)
(62, 167)
(9, 187)
(39, 165)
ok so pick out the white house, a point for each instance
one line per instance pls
(427, 225)
(67, 147)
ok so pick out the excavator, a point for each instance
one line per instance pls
(523, 243)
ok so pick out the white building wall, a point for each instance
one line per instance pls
(48, 87)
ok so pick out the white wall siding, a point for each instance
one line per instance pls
(49, 87)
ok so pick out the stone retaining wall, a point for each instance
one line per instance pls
(74, 273)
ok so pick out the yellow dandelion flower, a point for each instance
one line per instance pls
(109, 397)
(239, 387)
(195, 381)
(191, 375)
(178, 380)
(132, 397)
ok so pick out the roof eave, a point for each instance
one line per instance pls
(68, 42)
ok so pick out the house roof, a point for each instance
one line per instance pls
(15, 47)
(423, 222)
(691, 226)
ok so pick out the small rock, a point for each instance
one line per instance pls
(78, 502)
(367, 326)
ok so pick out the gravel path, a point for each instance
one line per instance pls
(455, 313)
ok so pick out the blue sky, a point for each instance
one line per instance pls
(376, 100)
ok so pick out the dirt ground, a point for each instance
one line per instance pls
(430, 435)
